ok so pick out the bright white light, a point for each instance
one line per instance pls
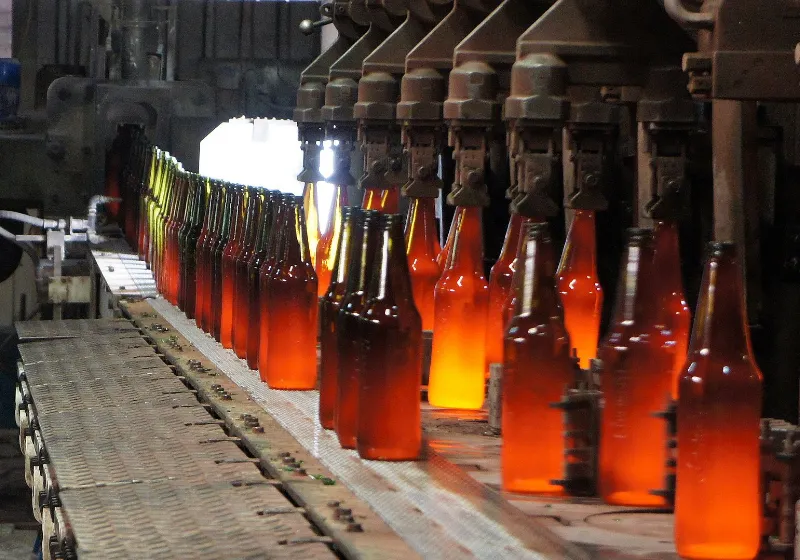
(260, 153)
(325, 191)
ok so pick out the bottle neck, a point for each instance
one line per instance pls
(296, 250)
(536, 285)
(512, 241)
(339, 272)
(721, 323)
(391, 280)
(580, 249)
(364, 255)
(420, 235)
(467, 252)
(636, 293)
(667, 257)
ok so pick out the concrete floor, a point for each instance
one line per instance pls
(16, 544)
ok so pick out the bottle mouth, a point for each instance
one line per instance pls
(537, 229)
(722, 248)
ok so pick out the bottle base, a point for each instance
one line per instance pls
(387, 454)
(533, 486)
(634, 499)
(717, 551)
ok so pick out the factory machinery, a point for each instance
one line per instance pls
(244, 385)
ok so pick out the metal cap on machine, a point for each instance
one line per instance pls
(377, 97)
(472, 93)
(422, 93)
(341, 95)
(538, 89)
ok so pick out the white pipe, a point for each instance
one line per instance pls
(31, 220)
(688, 18)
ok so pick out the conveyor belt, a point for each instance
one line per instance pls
(125, 462)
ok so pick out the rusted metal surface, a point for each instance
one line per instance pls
(357, 531)
(32, 330)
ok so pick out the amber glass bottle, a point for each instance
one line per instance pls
(223, 237)
(678, 316)
(461, 303)
(420, 238)
(199, 212)
(229, 255)
(385, 201)
(271, 202)
(241, 301)
(537, 369)
(176, 219)
(274, 249)
(389, 417)
(329, 305)
(293, 309)
(636, 379)
(349, 338)
(718, 499)
(203, 275)
(311, 210)
(578, 284)
(500, 281)
(327, 247)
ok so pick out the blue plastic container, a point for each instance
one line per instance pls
(9, 88)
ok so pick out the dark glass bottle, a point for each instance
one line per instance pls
(274, 248)
(719, 493)
(458, 357)
(389, 417)
(241, 302)
(293, 309)
(204, 243)
(327, 247)
(223, 236)
(349, 340)
(581, 293)
(145, 202)
(500, 280)
(420, 236)
(175, 218)
(229, 255)
(182, 233)
(636, 379)
(271, 203)
(537, 369)
(385, 201)
(199, 212)
(329, 306)
(678, 315)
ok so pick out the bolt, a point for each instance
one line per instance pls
(258, 429)
(591, 180)
(342, 513)
(355, 528)
(334, 504)
(111, 269)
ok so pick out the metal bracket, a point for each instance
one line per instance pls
(668, 160)
(590, 146)
(469, 151)
(374, 141)
(533, 157)
(422, 146)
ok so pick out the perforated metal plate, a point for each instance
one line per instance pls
(74, 328)
(171, 519)
(82, 370)
(140, 468)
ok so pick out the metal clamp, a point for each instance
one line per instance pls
(469, 151)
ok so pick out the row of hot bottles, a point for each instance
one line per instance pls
(238, 261)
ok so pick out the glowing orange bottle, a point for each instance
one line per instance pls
(444, 252)
(389, 417)
(241, 301)
(461, 300)
(386, 201)
(292, 360)
(581, 294)
(537, 369)
(328, 245)
(500, 280)
(421, 253)
(329, 305)
(718, 498)
(349, 337)
(678, 317)
(636, 379)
